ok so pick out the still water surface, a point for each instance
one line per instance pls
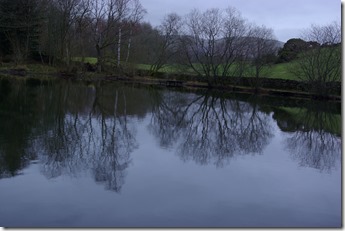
(112, 155)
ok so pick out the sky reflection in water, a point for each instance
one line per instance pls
(116, 156)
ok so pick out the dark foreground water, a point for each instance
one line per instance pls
(111, 155)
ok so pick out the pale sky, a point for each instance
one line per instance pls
(286, 17)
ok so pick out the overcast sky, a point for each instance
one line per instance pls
(286, 17)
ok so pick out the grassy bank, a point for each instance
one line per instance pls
(278, 80)
(32, 68)
(276, 71)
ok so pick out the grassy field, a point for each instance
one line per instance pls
(276, 71)
(91, 60)
(280, 71)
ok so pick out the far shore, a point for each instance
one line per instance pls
(249, 85)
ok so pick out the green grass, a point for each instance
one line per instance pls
(331, 122)
(276, 71)
(165, 68)
(91, 60)
(281, 71)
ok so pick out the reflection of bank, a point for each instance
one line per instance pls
(210, 129)
(73, 128)
(16, 125)
(313, 136)
(77, 130)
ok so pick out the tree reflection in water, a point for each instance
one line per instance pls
(76, 129)
(311, 144)
(96, 138)
(17, 111)
(209, 128)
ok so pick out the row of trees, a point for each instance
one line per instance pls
(214, 43)
(218, 43)
(321, 63)
(316, 58)
(60, 30)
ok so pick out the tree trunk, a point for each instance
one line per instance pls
(99, 59)
(257, 80)
(67, 56)
(27, 44)
(119, 48)
(129, 45)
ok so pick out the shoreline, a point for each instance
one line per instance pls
(224, 87)
(246, 85)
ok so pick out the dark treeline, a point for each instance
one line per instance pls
(56, 31)
(213, 43)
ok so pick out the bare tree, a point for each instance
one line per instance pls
(105, 18)
(213, 41)
(136, 16)
(235, 43)
(80, 32)
(100, 29)
(121, 7)
(21, 22)
(70, 11)
(167, 40)
(108, 20)
(202, 32)
(128, 12)
(321, 63)
(262, 46)
(143, 44)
